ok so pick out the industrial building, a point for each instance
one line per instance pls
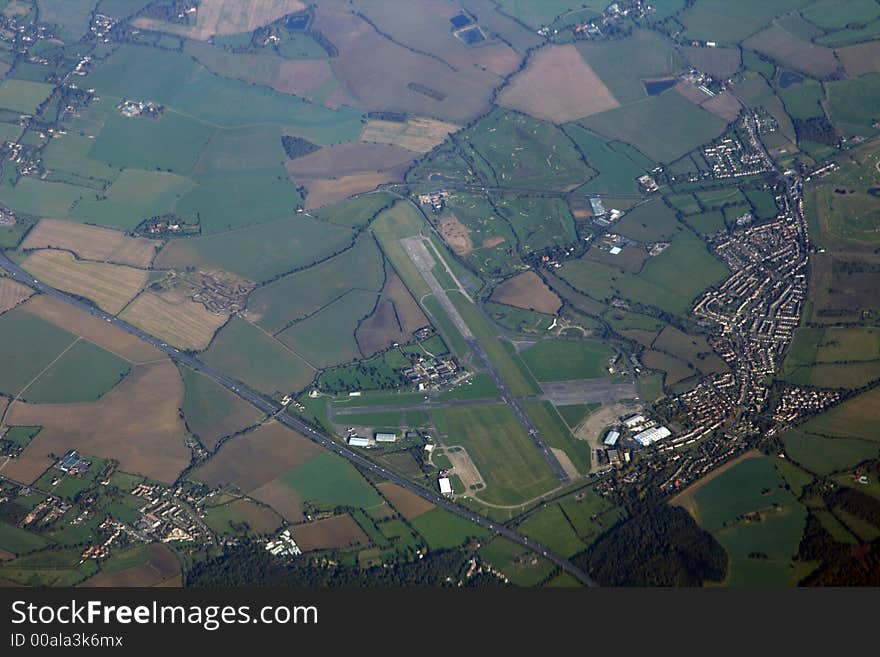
(382, 437)
(634, 421)
(652, 435)
(358, 441)
(611, 438)
(445, 485)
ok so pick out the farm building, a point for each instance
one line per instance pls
(611, 438)
(445, 485)
(652, 435)
(382, 437)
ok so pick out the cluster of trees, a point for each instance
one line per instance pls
(297, 146)
(659, 546)
(816, 129)
(841, 564)
(251, 565)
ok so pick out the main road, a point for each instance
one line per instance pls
(282, 416)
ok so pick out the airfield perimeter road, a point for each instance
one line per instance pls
(281, 415)
(425, 263)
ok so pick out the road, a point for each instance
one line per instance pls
(282, 416)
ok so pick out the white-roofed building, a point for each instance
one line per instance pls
(611, 438)
(652, 435)
(445, 485)
(358, 441)
(382, 437)
(634, 421)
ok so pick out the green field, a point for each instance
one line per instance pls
(663, 127)
(550, 527)
(23, 96)
(561, 360)
(720, 20)
(261, 252)
(327, 337)
(27, 346)
(523, 568)
(211, 411)
(617, 172)
(757, 520)
(574, 414)
(441, 529)
(293, 297)
(832, 15)
(83, 373)
(826, 455)
(508, 461)
(538, 223)
(177, 81)
(19, 541)
(856, 418)
(852, 105)
(624, 63)
(356, 212)
(652, 222)
(670, 281)
(329, 481)
(242, 351)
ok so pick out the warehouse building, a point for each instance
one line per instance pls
(611, 438)
(652, 435)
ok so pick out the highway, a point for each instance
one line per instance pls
(282, 416)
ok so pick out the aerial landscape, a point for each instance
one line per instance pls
(422, 293)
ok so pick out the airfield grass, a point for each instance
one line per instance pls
(480, 386)
(562, 360)
(574, 414)
(664, 127)
(511, 465)
(557, 435)
(261, 252)
(329, 481)
(242, 351)
(670, 281)
(211, 411)
(443, 530)
(84, 373)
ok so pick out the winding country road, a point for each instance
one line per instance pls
(281, 415)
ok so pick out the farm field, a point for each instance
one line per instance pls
(137, 423)
(111, 287)
(713, 19)
(23, 96)
(788, 50)
(512, 467)
(550, 527)
(328, 481)
(827, 455)
(261, 252)
(12, 294)
(241, 350)
(91, 243)
(415, 134)
(409, 505)
(335, 532)
(441, 529)
(84, 372)
(171, 316)
(211, 411)
(527, 291)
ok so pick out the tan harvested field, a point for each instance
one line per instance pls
(408, 311)
(5, 555)
(175, 318)
(528, 291)
(558, 86)
(137, 423)
(379, 73)
(718, 62)
(497, 58)
(457, 235)
(251, 460)
(724, 105)
(280, 497)
(416, 134)
(349, 158)
(92, 243)
(336, 532)
(163, 565)
(861, 58)
(685, 499)
(326, 191)
(491, 242)
(788, 50)
(109, 286)
(380, 330)
(408, 504)
(225, 17)
(12, 294)
(91, 328)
